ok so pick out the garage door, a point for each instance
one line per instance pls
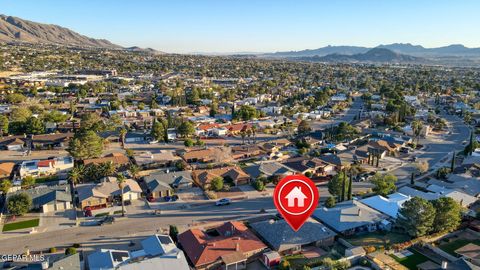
(60, 206)
(47, 208)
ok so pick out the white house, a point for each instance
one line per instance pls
(389, 206)
(60, 165)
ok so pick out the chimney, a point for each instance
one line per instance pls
(359, 212)
(237, 247)
(444, 264)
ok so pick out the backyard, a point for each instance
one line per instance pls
(451, 246)
(378, 239)
(21, 225)
(411, 261)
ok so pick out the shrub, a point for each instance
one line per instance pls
(70, 251)
(52, 250)
(259, 185)
(330, 202)
(76, 245)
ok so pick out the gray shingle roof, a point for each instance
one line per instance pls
(281, 236)
(163, 181)
(348, 215)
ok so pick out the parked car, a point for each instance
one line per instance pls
(224, 201)
(151, 198)
(87, 212)
(107, 220)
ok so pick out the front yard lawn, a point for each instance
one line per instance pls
(456, 244)
(21, 225)
(378, 239)
(411, 261)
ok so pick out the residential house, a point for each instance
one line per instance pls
(282, 238)
(389, 205)
(6, 170)
(158, 252)
(49, 141)
(313, 166)
(50, 262)
(163, 184)
(268, 169)
(247, 151)
(228, 246)
(107, 193)
(49, 198)
(232, 174)
(12, 143)
(137, 137)
(351, 217)
(118, 159)
(235, 129)
(435, 192)
(207, 155)
(57, 166)
(149, 160)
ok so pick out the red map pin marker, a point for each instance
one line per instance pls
(296, 197)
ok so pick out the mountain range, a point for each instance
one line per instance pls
(13, 29)
(402, 48)
(376, 55)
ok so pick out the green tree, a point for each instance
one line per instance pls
(70, 251)
(158, 131)
(336, 184)
(5, 186)
(186, 129)
(217, 183)
(121, 185)
(259, 185)
(55, 117)
(134, 171)
(384, 184)
(35, 126)
(188, 142)
(417, 127)
(122, 134)
(173, 232)
(107, 169)
(20, 114)
(416, 217)
(28, 181)
(86, 144)
(246, 112)
(330, 202)
(448, 214)
(19, 204)
(15, 98)
(92, 122)
(3, 124)
(304, 127)
(76, 174)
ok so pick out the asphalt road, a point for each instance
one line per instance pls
(438, 150)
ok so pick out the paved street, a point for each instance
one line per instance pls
(438, 150)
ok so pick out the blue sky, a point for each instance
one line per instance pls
(184, 26)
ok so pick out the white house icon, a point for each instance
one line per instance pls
(296, 193)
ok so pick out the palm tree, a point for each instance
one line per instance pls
(243, 134)
(254, 133)
(76, 174)
(417, 129)
(123, 133)
(134, 170)
(108, 169)
(121, 184)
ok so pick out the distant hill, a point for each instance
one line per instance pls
(348, 50)
(375, 55)
(13, 29)
(456, 50)
(146, 50)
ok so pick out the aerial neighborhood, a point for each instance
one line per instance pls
(127, 159)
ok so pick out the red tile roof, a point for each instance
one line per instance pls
(46, 163)
(234, 236)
